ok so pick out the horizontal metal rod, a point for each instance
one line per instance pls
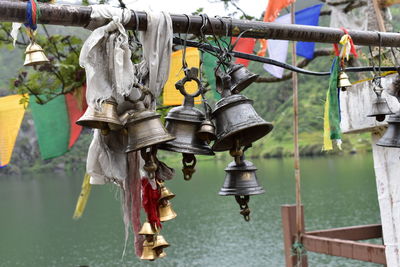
(67, 15)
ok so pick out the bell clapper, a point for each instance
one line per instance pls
(188, 170)
(150, 166)
(236, 152)
(244, 208)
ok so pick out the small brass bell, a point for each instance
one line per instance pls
(184, 121)
(241, 77)
(148, 252)
(160, 243)
(145, 129)
(166, 212)
(34, 55)
(147, 229)
(207, 131)
(380, 109)
(241, 180)
(165, 193)
(344, 81)
(391, 138)
(105, 119)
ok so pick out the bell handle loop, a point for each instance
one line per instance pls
(180, 85)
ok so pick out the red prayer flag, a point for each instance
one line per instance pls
(245, 45)
(270, 14)
(76, 106)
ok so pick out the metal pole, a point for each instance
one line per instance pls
(67, 15)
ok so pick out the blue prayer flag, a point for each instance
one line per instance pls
(307, 16)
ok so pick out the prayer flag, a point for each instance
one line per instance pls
(11, 115)
(76, 105)
(172, 96)
(52, 126)
(245, 45)
(307, 16)
(270, 14)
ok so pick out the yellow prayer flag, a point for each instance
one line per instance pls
(172, 96)
(11, 115)
(83, 197)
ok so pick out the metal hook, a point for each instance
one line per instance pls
(184, 63)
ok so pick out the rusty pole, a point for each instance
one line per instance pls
(67, 15)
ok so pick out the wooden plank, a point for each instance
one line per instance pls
(345, 248)
(359, 232)
(289, 231)
(356, 104)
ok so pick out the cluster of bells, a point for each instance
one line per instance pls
(231, 125)
(154, 243)
(380, 109)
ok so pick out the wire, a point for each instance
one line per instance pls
(212, 49)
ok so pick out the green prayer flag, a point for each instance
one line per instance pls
(52, 126)
(334, 116)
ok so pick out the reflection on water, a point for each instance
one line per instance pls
(36, 228)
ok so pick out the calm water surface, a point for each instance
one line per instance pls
(36, 228)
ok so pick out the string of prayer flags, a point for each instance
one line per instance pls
(83, 197)
(11, 115)
(52, 126)
(332, 109)
(76, 106)
(270, 14)
(172, 96)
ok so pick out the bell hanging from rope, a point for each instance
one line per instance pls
(105, 119)
(145, 129)
(34, 55)
(165, 210)
(236, 119)
(391, 138)
(147, 229)
(184, 121)
(165, 193)
(241, 77)
(160, 243)
(380, 107)
(148, 252)
(343, 82)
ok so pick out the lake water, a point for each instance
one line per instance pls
(36, 226)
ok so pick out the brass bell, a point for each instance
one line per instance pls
(207, 131)
(145, 129)
(184, 121)
(241, 180)
(160, 253)
(148, 252)
(236, 119)
(104, 119)
(165, 193)
(241, 77)
(380, 109)
(166, 212)
(34, 55)
(147, 229)
(343, 82)
(160, 243)
(391, 138)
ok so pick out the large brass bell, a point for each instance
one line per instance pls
(148, 252)
(160, 242)
(165, 193)
(184, 121)
(241, 180)
(145, 129)
(344, 81)
(241, 77)
(147, 229)
(380, 109)
(236, 119)
(105, 119)
(34, 55)
(391, 138)
(166, 212)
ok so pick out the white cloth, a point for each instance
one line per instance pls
(157, 48)
(278, 50)
(14, 31)
(108, 74)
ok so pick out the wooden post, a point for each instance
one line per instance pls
(289, 233)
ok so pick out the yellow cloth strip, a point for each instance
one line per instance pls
(327, 129)
(172, 96)
(11, 115)
(83, 197)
